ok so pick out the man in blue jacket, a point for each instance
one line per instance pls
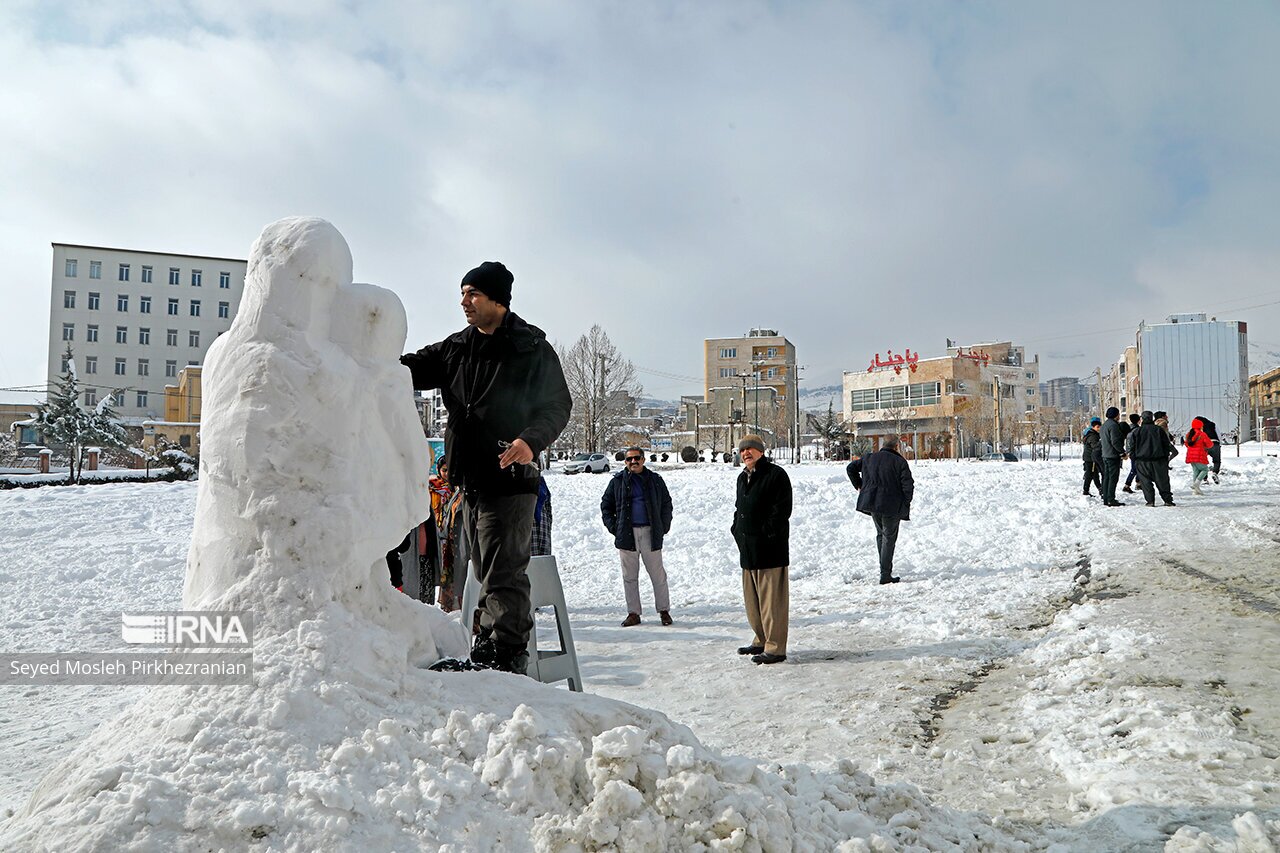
(636, 509)
(885, 488)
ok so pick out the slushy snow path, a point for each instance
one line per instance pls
(1119, 713)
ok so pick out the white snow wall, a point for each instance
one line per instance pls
(313, 462)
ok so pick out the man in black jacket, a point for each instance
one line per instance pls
(636, 509)
(1113, 436)
(1151, 449)
(885, 488)
(762, 529)
(1093, 455)
(507, 399)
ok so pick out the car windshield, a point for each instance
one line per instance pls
(581, 457)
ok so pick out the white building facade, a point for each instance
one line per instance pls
(1192, 366)
(134, 319)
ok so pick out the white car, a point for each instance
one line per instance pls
(596, 463)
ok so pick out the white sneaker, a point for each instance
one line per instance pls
(1195, 489)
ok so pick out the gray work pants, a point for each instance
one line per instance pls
(652, 564)
(886, 541)
(497, 530)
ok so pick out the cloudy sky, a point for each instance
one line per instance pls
(859, 176)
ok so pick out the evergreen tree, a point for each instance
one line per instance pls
(62, 421)
(831, 427)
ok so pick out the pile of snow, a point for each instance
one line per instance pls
(312, 467)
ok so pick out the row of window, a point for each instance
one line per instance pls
(144, 304)
(122, 335)
(896, 396)
(117, 398)
(124, 271)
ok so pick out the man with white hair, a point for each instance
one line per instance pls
(885, 488)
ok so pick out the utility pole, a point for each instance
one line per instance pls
(795, 456)
(999, 425)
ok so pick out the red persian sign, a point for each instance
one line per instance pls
(897, 362)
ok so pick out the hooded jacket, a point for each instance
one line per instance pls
(497, 388)
(1092, 447)
(1150, 443)
(1198, 444)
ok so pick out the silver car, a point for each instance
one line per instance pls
(596, 463)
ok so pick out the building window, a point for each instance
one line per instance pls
(171, 368)
(193, 338)
(1031, 376)
(68, 299)
(729, 352)
(68, 331)
(144, 336)
(91, 334)
(119, 367)
(196, 275)
(93, 300)
(95, 269)
(70, 271)
(726, 372)
(224, 280)
(174, 275)
(91, 396)
(117, 399)
(122, 302)
(863, 400)
(924, 393)
(184, 440)
(224, 310)
(171, 337)
(1031, 392)
(195, 307)
(772, 352)
(144, 304)
(142, 399)
(90, 364)
(122, 334)
(146, 275)
(124, 272)
(144, 368)
(173, 308)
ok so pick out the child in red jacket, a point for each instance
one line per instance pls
(1198, 454)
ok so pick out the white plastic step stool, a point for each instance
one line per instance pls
(545, 590)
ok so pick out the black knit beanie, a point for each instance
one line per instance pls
(493, 280)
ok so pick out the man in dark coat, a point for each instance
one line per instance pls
(885, 488)
(762, 529)
(1113, 435)
(1093, 455)
(1151, 449)
(1215, 450)
(507, 399)
(636, 509)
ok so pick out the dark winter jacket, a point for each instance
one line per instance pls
(1198, 444)
(1092, 447)
(884, 483)
(1150, 443)
(1113, 435)
(497, 387)
(1210, 429)
(615, 508)
(761, 517)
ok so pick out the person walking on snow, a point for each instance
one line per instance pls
(1093, 456)
(636, 509)
(1150, 449)
(1113, 435)
(762, 528)
(1215, 451)
(1198, 444)
(885, 488)
(1134, 422)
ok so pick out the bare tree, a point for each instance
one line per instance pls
(602, 384)
(1237, 405)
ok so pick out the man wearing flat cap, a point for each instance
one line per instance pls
(762, 529)
(507, 399)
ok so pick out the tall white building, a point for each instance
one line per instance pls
(1191, 365)
(134, 319)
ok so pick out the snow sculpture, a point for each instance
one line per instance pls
(313, 463)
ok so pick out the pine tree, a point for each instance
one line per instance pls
(832, 428)
(61, 420)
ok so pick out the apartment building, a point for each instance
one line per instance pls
(1192, 365)
(135, 319)
(759, 360)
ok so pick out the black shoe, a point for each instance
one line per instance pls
(1170, 503)
(750, 650)
(1151, 503)
(632, 619)
(484, 653)
(1088, 493)
(767, 658)
(1127, 490)
(890, 580)
(514, 659)
(665, 615)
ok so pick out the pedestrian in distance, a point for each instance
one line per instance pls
(885, 488)
(1112, 435)
(1092, 456)
(503, 386)
(1198, 444)
(1134, 422)
(762, 529)
(1151, 449)
(1215, 450)
(636, 509)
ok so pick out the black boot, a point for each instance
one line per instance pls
(514, 659)
(884, 579)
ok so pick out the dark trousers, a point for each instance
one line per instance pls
(497, 531)
(1110, 477)
(1153, 475)
(886, 541)
(1215, 454)
(1092, 476)
(1133, 472)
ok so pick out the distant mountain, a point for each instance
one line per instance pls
(1262, 358)
(818, 399)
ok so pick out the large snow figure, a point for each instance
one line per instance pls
(313, 463)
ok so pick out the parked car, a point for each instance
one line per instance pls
(596, 463)
(1000, 457)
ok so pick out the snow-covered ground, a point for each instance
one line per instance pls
(1074, 677)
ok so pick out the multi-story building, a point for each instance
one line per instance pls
(1122, 384)
(759, 360)
(1264, 397)
(1191, 365)
(1066, 393)
(134, 319)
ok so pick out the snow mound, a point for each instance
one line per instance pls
(312, 467)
